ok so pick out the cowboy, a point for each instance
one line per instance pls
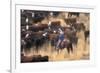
(60, 38)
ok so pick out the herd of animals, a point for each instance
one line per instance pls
(35, 34)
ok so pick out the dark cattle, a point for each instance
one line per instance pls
(33, 16)
(38, 39)
(55, 14)
(70, 21)
(25, 59)
(23, 21)
(27, 13)
(35, 39)
(35, 27)
(67, 44)
(52, 36)
(86, 33)
(53, 39)
(78, 26)
(31, 38)
(26, 44)
(39, 16)
(71, 35)
(55, 23)
(24, 15)
(25, 33)
(54, 26)
(34, 58)
(40, 59)
(73, 13)
(23, 43)
(49, 31)
(38, 27)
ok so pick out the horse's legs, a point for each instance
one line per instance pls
(69, 48)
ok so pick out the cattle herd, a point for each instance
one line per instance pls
(37, 36)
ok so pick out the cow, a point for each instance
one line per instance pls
(54, 14)
(70, 14)
(38, 39)
(26, 44)
(40, 58)
(34, 58)
(55, 24)
(78, 26)
(87, 34)
(38, 27)
(70, 21)
(34, 39)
